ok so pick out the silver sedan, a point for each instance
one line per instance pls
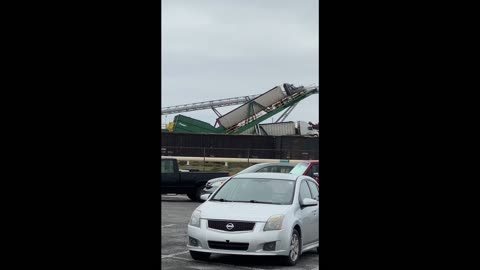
(257, 214)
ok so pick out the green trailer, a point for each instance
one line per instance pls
(185, 124)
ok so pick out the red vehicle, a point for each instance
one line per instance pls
(309, 168)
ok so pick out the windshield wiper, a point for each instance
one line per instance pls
(251, 201)
(221, 200)
(254, 201)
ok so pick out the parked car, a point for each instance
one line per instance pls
(191, 183)
(257, 214)
(278, 167)
(309, 168)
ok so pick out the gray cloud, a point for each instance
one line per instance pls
(214, 49)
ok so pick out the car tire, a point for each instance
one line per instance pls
(191, 196)
(198, 193)
(200, 256)
(295, 249)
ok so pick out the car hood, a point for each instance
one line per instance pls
(241, 211)
(218, 179)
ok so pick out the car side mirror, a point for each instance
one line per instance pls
(308, 202)
(204, 197)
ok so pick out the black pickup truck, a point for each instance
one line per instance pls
(190, 183)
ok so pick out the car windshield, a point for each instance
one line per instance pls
(254, 190)
(299, 169)
(250, 169)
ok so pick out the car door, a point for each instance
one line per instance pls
(308, 215)
(314, 170)
(169, 178)
(315, 194)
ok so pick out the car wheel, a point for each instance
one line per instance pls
(294, 254)
(199, 193)
(191, 196)
(199, 256)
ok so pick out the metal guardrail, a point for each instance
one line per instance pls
(227, 160)
(240, 153)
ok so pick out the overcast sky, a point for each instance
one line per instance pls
(214, 49)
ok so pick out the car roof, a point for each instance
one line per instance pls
(265, 175)
(274, 164)
(309, 161)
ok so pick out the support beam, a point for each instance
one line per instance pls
(286, 113)
(216, 112)
(207, 104)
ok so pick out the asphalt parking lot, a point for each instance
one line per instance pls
(176, 212)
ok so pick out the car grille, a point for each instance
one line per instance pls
(237, 225)
(228, 246)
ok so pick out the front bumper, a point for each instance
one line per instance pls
(255, 239)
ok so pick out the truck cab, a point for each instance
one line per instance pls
(173, 180)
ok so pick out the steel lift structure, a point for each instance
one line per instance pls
(212, 104)
(254, 110)
(288, 104)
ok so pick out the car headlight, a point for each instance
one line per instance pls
(195, 219)
(274, 223)
(217, 184)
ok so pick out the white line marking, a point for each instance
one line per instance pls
(169, 225)
(178, 235)
(174, 254)
(180, 258)
(216, 263)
